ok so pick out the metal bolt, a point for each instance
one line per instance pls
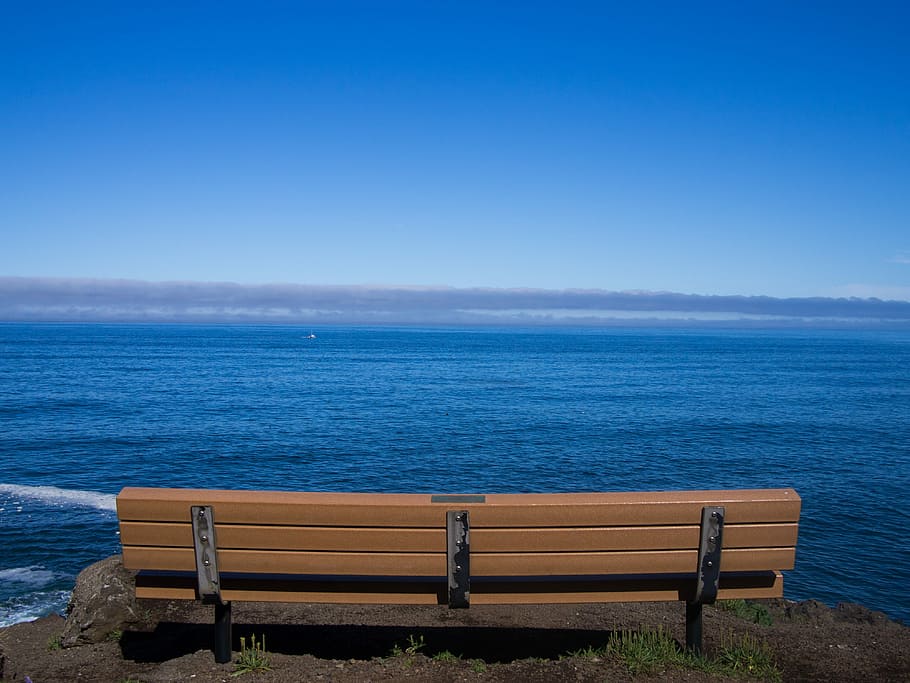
(459, 518)
(457, 567)
(205, 539)
(206, 563)
(710, 563)
(202, 513)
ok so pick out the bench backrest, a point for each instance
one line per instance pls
(533, 536)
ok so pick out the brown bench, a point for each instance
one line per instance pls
(457, 550)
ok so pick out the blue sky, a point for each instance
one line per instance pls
(735, 149)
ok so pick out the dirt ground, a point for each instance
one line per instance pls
(810, 642)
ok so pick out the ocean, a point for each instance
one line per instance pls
(86, 409)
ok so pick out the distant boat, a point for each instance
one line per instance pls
(310, 336)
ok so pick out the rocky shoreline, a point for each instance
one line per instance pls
(108, 636)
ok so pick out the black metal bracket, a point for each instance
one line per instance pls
(458, 549)
(709, 546)
(208, 580)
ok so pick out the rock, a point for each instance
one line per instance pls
(810, 611)
(857, 614)
(104, 601)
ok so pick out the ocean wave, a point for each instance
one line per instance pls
(57, 496)
(35, 575)
(32, 606)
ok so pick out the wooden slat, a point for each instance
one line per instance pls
(295, 562)
(289, 538)
(631, 592)
(378, 598)
(627, 538)
(624, 562)
(172, 534)
(500, 510)
(278, 589)
(606, 596)
(628, 590)
(434, 564)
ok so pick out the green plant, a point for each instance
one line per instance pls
(478, 666)
(115, 635)
(589, 652)
(414, 646)
(253, 658)
(750, 611)
(648, 651)
(446, 656)
(748, 656)
(55, 642)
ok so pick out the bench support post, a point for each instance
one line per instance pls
(707, 573)
(222, 647)
(693, 626)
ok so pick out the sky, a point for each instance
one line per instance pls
(746, 151)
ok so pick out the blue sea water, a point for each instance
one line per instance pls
(88, 409)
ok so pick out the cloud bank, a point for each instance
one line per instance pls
(83, 300)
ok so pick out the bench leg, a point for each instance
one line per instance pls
(222, 648)
(693, 626)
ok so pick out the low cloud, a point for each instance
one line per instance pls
(60, 299)
(867, 291)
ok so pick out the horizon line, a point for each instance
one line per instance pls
(67, 299)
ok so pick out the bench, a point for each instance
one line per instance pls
(457, 550)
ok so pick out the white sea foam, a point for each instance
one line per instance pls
(35, 575)
(32, 606)
(57, 496)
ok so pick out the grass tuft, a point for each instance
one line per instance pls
(55, 642)
(651, 652)
(648, 651)
(750, 611)
(589, 652)
(446, 656)
(747, 656)
(253, 658)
